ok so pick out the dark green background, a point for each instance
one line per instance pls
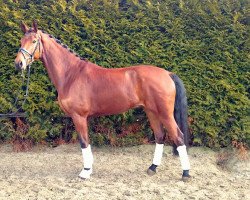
(205, 42)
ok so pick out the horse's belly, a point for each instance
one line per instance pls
(114, 105)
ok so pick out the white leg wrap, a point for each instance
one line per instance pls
(183, 157)
(87, 157)
(88, 162)
(158, 154)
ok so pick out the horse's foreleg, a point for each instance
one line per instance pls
(82, 129)
(159, 139)
(177, 137)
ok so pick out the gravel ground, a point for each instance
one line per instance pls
(119, 173)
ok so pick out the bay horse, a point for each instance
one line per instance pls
(86, 89)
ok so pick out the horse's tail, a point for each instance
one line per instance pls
(180, 110)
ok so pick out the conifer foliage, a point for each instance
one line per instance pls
(205, 42)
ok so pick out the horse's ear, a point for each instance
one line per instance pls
(35, 26)
(24, 27)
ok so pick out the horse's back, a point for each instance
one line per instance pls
(145, 74)
(142, 79)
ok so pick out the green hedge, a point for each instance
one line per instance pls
(205, 42)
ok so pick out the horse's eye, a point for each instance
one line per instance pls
(34, 41)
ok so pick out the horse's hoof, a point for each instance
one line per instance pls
(85, 174)
(150, 172)
(186, 178)
(84, 179)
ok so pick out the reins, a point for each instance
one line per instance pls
(30, 58)
(13, 113)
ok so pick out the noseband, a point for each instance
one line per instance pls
(30, 56)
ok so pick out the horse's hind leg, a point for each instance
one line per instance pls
(82, 129)
(159, 139)
(177, 137)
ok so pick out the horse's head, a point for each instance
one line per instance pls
(31, 47)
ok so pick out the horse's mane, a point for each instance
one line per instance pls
(64, 46)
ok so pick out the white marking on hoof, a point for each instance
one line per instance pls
(85, 174)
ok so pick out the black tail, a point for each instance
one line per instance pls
(180, 110)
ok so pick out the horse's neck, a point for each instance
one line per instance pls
(57, 61)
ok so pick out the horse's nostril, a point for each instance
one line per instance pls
(18, 65)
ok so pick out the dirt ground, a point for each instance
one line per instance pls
(119, 173)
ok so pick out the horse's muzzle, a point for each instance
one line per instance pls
(19, 65)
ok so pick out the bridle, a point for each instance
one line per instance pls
(30, 56)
